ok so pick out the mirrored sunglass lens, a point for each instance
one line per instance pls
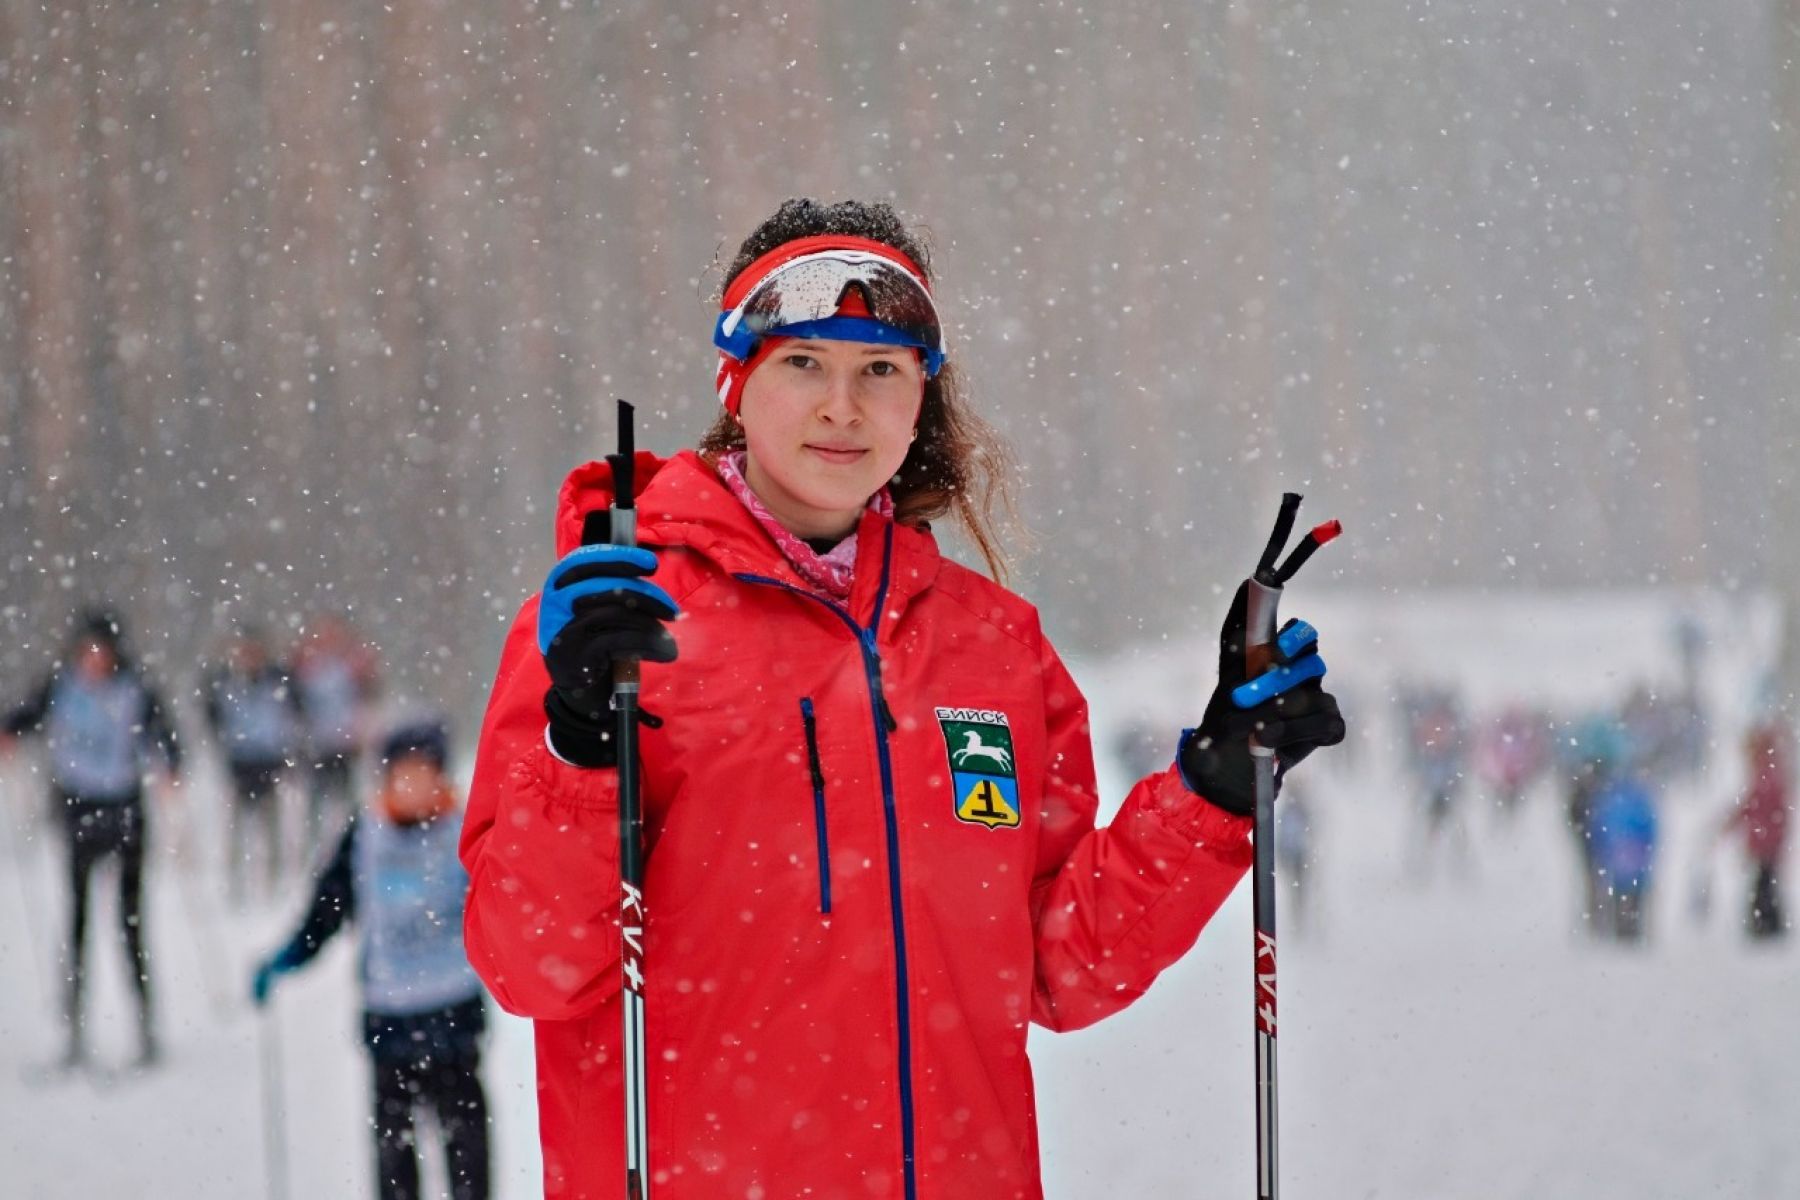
(812, 291)
(803, 292)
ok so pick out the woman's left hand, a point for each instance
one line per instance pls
(1298, 717)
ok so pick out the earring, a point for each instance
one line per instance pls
(915, 434)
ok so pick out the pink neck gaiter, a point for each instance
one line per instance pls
(831, 572)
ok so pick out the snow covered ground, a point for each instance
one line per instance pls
(1451, 1033)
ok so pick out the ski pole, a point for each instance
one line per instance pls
(274, 1134)
(623, 532)
(1262, 599)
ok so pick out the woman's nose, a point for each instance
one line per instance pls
(839, 403)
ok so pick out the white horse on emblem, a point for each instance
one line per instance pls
(973, 748)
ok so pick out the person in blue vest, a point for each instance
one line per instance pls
(104, 728)
(396, 874)
(335, 678)
(254, 718)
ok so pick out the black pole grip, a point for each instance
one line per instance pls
(1284, 525)
(624, 460)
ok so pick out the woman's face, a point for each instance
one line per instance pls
(826, 424)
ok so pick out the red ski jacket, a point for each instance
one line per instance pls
(1764, 811)
(871, 860)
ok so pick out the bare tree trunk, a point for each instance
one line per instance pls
(49, 283)
(22, 575)
(1783, 469)
(1251, 402)
(1668, 399)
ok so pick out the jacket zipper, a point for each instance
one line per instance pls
(818, 785)
(883, 719)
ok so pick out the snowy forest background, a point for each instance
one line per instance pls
(316, 302)
(311, 305)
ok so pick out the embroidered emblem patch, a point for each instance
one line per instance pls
(982, 777)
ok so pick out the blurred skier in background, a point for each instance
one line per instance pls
(1763, 815)
(1623, 832)
(1586, 760)
(396, 874)
(1688, 723)
(1437, 752)
(104, 727)
(1513, 751)
(1296, 842)
(1667, 732)
(251, 710)
(1141, 747)
(334, 677)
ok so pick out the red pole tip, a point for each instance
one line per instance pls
(1324, 533)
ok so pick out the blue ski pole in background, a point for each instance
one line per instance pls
(1262, 599)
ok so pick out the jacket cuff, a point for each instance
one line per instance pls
(558, 782)
(573, 740)
(588, 751)
(1193, 815)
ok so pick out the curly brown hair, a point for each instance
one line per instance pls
(958, 465)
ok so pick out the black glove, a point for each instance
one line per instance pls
(597, 608)
(1215, 758)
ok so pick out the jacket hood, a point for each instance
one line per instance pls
(681, 501)
(589, 488)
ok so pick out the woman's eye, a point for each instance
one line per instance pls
(800, 360)
(883, 367)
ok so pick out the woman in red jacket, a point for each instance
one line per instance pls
(869, 788)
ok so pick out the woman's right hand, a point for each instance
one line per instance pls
(597, 609)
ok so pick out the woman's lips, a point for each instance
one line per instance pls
(840, 457)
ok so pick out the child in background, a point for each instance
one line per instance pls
(395, 872)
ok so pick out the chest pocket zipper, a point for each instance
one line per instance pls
(818, 785)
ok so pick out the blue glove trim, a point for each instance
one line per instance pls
(634, 556)
(556, 606)
(1179, 769)
(1276, 680)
